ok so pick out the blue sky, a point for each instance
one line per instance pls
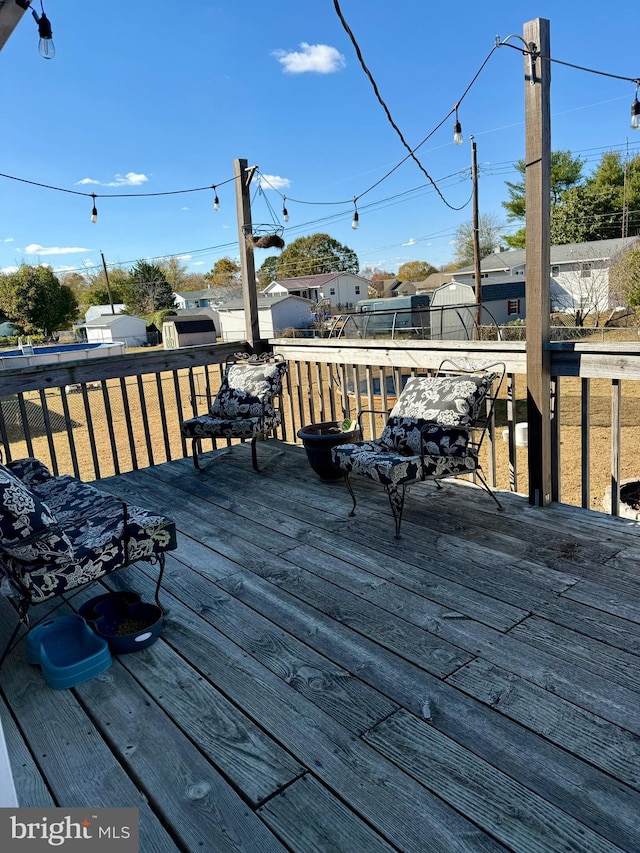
(156, 97)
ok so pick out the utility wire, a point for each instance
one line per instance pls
(411, 154)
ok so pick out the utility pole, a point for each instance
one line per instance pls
(243, 174)
(476, 239)
(538, 200)
(106, 278)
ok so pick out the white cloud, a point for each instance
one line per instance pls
(63, 269)
(131, 179)
(198, 263)
(274, 182)
(184, 257)
(410, 242)
(185, 208)
(319, 58)
(37, 249)
(8, 240)
(8, 270)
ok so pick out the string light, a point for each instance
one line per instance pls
(94, 211)
(458, 138)
(216, 200)
(635, 111)
(285, 212)
(355, 222)
(46, 48)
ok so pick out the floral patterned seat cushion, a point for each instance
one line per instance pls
(248, 390)
(207, 426)
(378, 462)
(102, 536)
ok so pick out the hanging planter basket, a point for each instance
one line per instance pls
(265, 237)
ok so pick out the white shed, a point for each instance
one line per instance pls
(132, 331)
(274, 315)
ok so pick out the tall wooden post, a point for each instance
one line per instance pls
(476, 238)
(538, 204)
(243, 177)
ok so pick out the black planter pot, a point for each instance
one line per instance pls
(318, 441)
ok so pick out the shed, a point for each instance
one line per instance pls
(131, 331)
(275, 313)
(188, 330)
(453, 312)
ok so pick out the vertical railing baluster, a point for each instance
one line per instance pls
(90, 432)
(312, 408)
(49, 432)
(585, 442)
(109, 418)
(127, 417)
(616, 388)
(163, 417)
(554, 401)
(145, 419)
(25, 423)
(179, 411)
(70, 436)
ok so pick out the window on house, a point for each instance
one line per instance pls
(585, 270)
(357, 289)
(555, 270)
(513, 306)
(332, 291)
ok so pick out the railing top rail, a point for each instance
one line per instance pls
(14, 381)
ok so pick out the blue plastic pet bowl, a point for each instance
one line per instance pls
(68, 651)
(127, 626)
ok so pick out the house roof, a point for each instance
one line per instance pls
(109, 320)
(568, 253)
(206, 293)
(307, 281)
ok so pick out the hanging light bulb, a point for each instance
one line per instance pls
(285, 212)
(458, 138)
(216, 200)
(635, 112)
(355, 222)
(46, 46)
(94, 211)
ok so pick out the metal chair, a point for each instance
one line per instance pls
(435, 430)
(245, 407)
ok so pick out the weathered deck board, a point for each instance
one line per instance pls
(320, 686)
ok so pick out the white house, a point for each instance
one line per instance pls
(109, 328)
(579, 276)
(275, 313)
(210, 297)
(340, 289)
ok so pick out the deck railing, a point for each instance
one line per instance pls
(595, 428)
(108, 416)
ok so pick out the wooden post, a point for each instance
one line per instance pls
(538, 204)
(476, 239)
(243, 176)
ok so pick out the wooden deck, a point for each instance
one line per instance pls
(320, 686)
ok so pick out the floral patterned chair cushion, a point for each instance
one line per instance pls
(248, 390)
(28, 528)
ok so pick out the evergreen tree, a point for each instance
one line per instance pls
(150, 290)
